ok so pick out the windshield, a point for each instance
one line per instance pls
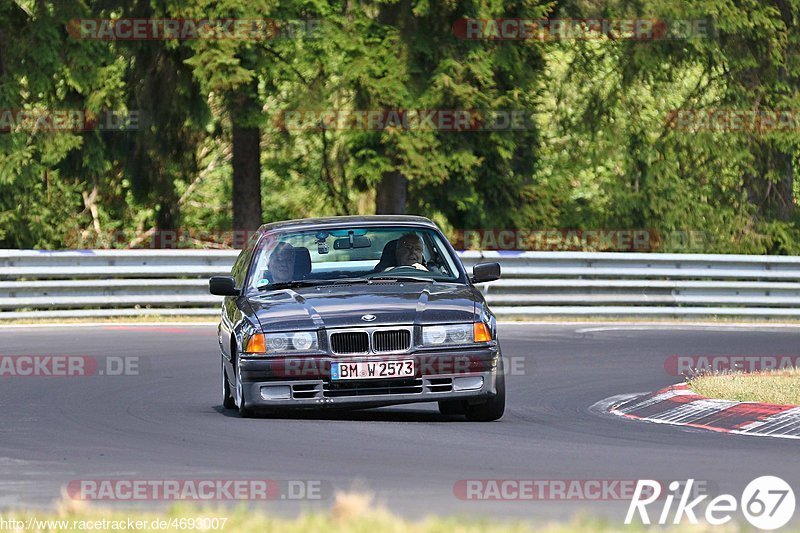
(352, 254)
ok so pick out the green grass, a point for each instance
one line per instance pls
(777, 387)
(350, 513)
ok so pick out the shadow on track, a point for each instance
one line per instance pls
(366, 415)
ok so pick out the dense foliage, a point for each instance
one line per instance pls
(605, 142)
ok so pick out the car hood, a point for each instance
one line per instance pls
(343, 306)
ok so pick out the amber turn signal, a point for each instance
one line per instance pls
(256, 344)
(481, 332)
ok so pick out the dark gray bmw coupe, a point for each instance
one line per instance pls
(357, 312)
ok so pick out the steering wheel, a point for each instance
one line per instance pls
(401, 268)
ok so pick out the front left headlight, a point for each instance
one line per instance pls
(282, 343)
(455, 334)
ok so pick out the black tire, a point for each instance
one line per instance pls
(244, 411)
(493, 408)
(227, 398)
(452, 407)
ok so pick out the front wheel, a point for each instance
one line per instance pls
(227, 398)
(244, 411)
(493, 408)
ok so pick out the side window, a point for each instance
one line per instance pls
(439, 257)
(237, 266)
(239, 270)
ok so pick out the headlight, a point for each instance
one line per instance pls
(281, 343)
(303, 340)
(455, 334)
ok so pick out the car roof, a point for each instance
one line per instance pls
(361, 220)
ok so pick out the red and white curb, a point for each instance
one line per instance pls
(678, 405)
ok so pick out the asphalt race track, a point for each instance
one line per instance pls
(167, 423)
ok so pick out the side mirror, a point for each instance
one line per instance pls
(222, 286)
(483, 272)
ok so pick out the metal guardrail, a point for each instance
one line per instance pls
(97, 283)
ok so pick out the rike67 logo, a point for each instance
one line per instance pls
(767, 503)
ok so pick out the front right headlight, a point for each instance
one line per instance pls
(455, 334)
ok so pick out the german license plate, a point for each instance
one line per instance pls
(372, 370)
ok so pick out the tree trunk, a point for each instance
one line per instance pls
(391, 194)
(773, 199)
(785, 187)
(392, 191)
(246, 166)
(166, 221)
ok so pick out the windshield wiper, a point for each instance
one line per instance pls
(348, 281)
(401, 278)
(312, 283)
(293, 284)
(344, 281)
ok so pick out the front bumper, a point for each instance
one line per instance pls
(304, 382)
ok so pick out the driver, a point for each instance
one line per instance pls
(409, 252)
(281, 263)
